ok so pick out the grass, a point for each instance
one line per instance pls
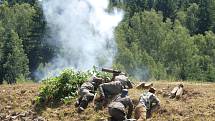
(197, 103)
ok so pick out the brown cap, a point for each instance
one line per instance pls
(181, 85)
(152, 89)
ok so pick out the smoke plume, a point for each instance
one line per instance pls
(83, 32)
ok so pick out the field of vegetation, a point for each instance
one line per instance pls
(197, 104)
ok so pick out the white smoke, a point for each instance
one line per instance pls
(83, 32)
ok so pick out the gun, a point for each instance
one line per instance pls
(115, 72)
(111, 71)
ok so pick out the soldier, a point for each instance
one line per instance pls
(117, 109)
(177, 91)
(111, 89)
(124, 80)
(86, 92)
(148, 103)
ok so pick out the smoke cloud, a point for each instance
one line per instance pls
(83, 32)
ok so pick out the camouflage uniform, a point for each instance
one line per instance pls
(86, 92)
(117, 109)
(124, 80)
(148, 103)
(110, 89)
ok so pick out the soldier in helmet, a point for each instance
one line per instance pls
(124, 80)
(86, 92)
(117, 109)
(177, 91)
(148, 103)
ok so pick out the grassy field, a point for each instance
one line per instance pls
(197, 104)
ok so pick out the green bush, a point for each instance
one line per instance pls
(57, 88)
(64, 86)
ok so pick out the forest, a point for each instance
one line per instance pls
(160, 39)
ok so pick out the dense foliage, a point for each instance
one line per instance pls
(22, 45)
(157, 39)
(65, 85)
(167, 39)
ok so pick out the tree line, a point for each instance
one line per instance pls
(22, 45)
(157, 39)
(167, 39)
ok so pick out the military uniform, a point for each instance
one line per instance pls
(117, 109)
(124, 80)
(148, 103)
(86, 93)
(177, 91)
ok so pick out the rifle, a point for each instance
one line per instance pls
(115, 72)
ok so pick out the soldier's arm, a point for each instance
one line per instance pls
(129, 84)
(101, 91)
(155, 104)
(130, 108)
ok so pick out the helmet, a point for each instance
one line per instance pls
(122, 73)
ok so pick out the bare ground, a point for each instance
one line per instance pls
(197, 104)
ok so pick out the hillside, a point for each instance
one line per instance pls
(197, 104)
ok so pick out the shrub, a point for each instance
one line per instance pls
(64, 86)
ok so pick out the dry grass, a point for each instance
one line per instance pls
(197, 104)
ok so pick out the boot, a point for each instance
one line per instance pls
(83, 105)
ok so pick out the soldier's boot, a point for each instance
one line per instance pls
(82, 106)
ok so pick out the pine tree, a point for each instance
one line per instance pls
(1, 51)
(15, 64)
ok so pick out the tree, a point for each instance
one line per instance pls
(168, 7)
(178, 51)
(36, 48)
(15, 64)
(205, 58)
(192, 18)
(1, 51)
(211, 10)
(204, 21)
(139, 42)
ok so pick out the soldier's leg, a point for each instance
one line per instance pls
(86, 99)
(140, 113)
(103, 94)
(82, 92)
(116, 114)
(173, 92)
(77, 103)
(179, 93)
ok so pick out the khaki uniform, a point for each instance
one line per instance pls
(148, 103)
(117, 109)
(176, 92)
(140, 112)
